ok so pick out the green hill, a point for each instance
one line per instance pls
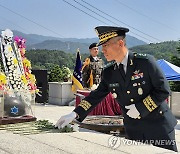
(163, 50)
(46, 58)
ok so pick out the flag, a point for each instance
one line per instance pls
(77, 77)
(90, 80)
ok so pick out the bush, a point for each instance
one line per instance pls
(55, 74)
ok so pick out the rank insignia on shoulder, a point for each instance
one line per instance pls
(109, 64)
(131, 62)
(140, 55)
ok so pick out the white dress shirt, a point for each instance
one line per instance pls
(124, 62)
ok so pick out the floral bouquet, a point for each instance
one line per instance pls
(20, 84)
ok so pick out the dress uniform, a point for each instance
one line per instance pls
(141, 83)
(92, 65)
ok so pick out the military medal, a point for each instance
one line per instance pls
(140, 91)
(134, 84)
(143, 82)
(114, 95)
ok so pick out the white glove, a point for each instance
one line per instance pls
(65, 120)
(94, 87)
(132, 112)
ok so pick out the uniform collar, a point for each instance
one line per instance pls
(125, 60)
(95, 58)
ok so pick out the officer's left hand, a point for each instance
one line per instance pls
(132, 112)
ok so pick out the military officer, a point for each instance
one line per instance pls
(140, 88)
(92, 68)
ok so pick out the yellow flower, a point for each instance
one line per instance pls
(9, 48)
(27, 63)
(3, 78)
(23, 78)
(32, 78)
(15, 61)
(37, 90)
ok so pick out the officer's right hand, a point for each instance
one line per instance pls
(65, 120)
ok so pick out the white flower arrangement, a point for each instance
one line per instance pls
(7, 36)
(66, 73)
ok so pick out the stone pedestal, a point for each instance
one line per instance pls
(175, 103)
(14, 120)
(60, 93)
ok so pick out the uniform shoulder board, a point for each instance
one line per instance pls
(109, 64)
(141, 55)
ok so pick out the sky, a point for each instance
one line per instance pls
(152, 21)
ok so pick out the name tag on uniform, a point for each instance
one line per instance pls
(114, 85)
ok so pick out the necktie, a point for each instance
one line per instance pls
(121, 69)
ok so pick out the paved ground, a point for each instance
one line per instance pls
(82, 142)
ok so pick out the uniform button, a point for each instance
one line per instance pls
(160, 112)
(114, 95)
(128, 92)
(132, 100)
(139, 117)
(139, 84)
(114, 89)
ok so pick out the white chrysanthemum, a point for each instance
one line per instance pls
(8, 63)
(11, 67)
(7, 33)
(14, 72)
(15, 78)
(14, 86)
